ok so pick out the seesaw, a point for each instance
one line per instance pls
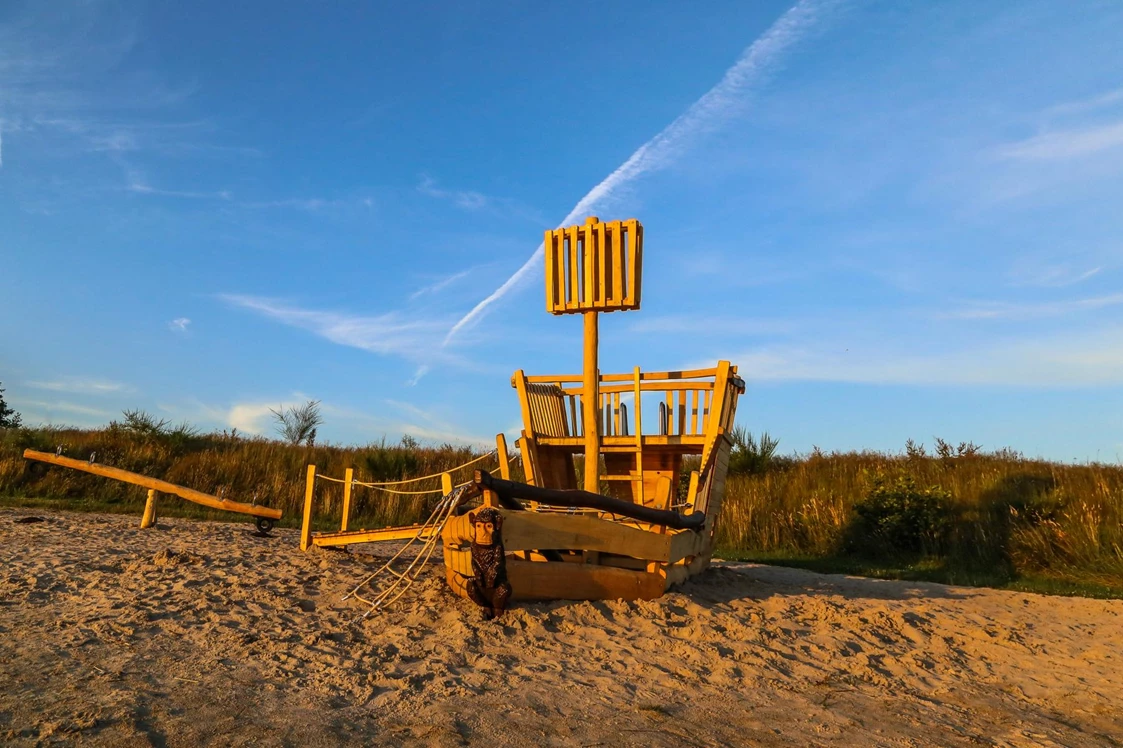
(265, 516)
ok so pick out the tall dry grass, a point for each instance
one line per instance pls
(1006, 515)
(245, 469)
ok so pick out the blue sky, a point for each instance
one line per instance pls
(900, 220)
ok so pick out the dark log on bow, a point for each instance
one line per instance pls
(509, 492)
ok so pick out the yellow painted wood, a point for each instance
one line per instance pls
(155, 484)
(348, 484)
(328, 539)
(149, 517)
(637, 486)
(306, 525)
(692, 492)
(446, 484)
(593, 265)
(592, 431)
(648, 376)
(534, 580)
(501, 454)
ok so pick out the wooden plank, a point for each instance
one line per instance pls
(531, 580)
(306, 525)
(551, 281)
(149, 517)
(685, 543)
(501, 455)
(648, 376)
(327, 539)
(600, 250)
(348, 484)
(520, 383)
(656, 386)
(161, 486)
(617, 242)
(539, 531)
(573, 299)
(617, 442)
(694, 412)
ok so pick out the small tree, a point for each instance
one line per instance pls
(9, 418)
(298, 423)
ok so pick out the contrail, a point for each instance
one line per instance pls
(752, 68)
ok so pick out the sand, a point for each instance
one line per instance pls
(200, 633)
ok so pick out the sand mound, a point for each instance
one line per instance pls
(198, 633)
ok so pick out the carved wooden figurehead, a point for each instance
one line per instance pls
(487, 525)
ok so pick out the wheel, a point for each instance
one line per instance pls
(264, 524)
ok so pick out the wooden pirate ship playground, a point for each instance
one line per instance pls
(624, 472)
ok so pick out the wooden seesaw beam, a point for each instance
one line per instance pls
(154, 484)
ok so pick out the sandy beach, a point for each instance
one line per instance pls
(201, 633)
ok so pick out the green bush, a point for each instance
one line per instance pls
(748, 455)
(898, 517)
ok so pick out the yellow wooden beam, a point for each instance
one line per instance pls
(325, 539)
(149, 517)
(501, 455)
(154, 484)
(306, 525)
(348, 481)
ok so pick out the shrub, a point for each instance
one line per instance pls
(749, 456)
(898, 517)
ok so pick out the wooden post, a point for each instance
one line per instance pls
(149, 517)
(446, 483)
(348, 477)
(501, 455)
(591, 403)
(306, 527)
(637, 486)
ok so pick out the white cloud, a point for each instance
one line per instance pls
(467, 199)
(1013, 311)
(1051, 276)
(81, 386)
(705, 114)
(1091, 103)
(440, 285)
(251, 417)
(1064, 144)
(179, 324)
(391, 333)
(58, 405)
(1094, 358)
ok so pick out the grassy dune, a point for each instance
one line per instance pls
(960, 515)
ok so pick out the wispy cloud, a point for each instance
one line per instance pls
(179, 324)
(1051, 276)
(467, 199)
(718, 104)
(1093, 358)
(391, 333)
(137, 183)
(1064, 144)
(1023, 311)
(440, 285)
(65, 407)
(1091, 103)
(81, 386)
(310, 204)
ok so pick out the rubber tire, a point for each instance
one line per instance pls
(264, 525)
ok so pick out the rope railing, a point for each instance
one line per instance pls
(348, 482)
